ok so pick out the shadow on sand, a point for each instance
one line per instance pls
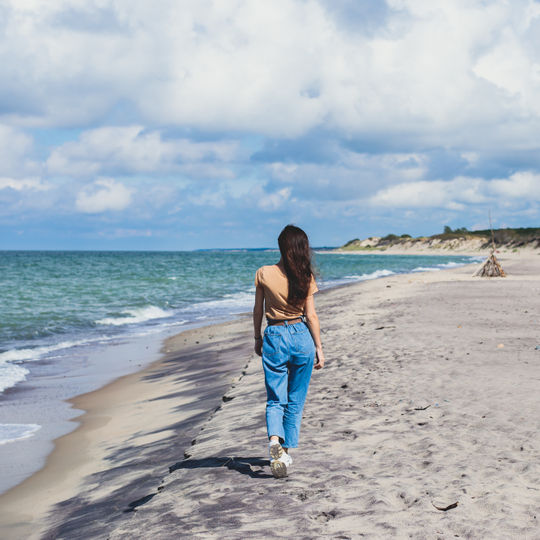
(242, 465)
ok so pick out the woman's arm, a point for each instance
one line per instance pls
(312, 320)
(257, 319)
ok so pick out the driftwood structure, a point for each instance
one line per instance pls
(491, 266)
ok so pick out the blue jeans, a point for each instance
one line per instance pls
(287, 356)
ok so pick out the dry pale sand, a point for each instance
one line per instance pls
(430, 399)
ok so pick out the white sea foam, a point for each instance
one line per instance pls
(449, 265)
(231, 301)
(426, 269)
(35, 353)
(15, 432)
(229, 304)
(373, 275)
(10, 375)
(139, 315)
(438, 267)
(329, 283)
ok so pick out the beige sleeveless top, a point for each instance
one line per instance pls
(276, 289)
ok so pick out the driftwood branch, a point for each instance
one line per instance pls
(492, 235)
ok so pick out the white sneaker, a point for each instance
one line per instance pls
(275, 449)
(287, 459)
(280, 461)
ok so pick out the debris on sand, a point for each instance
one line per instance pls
(490, 268)
(443, 507)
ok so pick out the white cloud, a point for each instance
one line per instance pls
(197, 102)
(279, 68)
(350, 176)
(214, 198)
(15, 150)
(512, 64)
(414, 194)
(270, 201)
(459, 192)
(105, 194)
(126, 233)
(522, 185)
(132, 149)
(32, 184)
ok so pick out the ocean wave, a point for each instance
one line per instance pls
(133, 316)
(450, 265)
(373, 275)
(426, 269)
(438, 267)
(10, 375)
(35, 353)
(16, 432)
(229, 303)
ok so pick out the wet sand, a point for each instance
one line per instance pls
(424, 424)
(133, 430)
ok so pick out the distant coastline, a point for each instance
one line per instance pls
(458, 241)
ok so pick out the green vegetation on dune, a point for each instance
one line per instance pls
(509, 237)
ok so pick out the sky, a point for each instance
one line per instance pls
(174, 124)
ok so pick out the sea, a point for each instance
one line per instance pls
(71, 321)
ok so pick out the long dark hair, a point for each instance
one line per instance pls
(296, 256)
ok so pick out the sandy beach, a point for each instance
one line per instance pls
(424, 424)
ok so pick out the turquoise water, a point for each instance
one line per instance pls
(55, 305)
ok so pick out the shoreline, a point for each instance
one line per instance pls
(70, 448)
(73, 459)
(84, 375)
(113, 398)
(46, 399)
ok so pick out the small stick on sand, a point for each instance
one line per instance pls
(445, 508)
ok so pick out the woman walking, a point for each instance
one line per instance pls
(284, 291)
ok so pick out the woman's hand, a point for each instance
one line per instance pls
(258, 346)
(257, 319)
(320, 358)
